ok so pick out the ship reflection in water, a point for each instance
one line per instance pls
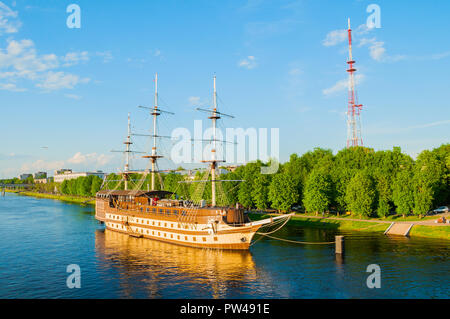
(151, 269)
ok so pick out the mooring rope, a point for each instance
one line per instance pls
(300, 242)
(295, 241)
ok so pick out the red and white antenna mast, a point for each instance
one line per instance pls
(354, 137)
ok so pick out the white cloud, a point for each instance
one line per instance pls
(194, 100)
(41, 165)
(60, 80)
(8, 20)
(89, 159)
(377, 50)
(197, 101)
(19, 60)
(335, 37)
(11, 87)
(78, 161)
(342, 85)
(73, 58)
(106, 55)
(249, 62)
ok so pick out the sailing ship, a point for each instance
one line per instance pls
(160, 215)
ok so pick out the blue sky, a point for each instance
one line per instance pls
(279, 64)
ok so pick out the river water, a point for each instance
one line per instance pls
(39, 238)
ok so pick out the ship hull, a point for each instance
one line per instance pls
(199, 234)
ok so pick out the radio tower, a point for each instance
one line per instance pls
(354, 109)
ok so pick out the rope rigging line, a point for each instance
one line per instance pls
(300, 242)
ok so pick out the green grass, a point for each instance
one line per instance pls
(440, 232)
(392, 218)
(65, 198)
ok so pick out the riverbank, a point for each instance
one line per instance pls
(339, 223)
(428, 231)
(64, 198)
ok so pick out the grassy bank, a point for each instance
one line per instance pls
(65, 198)
(372, 226)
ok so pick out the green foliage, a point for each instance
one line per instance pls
(318, 192)
(384, 195)
(261, 191)
(360, 194)
(356, 178)
(402, 194)
(283, 192)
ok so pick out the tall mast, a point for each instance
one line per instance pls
(155, 111)
(214, 118)
(354, 109)
(155, 114)
(127, 153)
(126, 171)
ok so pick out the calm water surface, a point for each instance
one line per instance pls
(40, 237)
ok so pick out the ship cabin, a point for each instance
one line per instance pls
(163, 204)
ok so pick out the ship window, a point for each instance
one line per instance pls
(185, 237)
(165, 224)
(195, 239)
(178, 236)
(161, 210)
(148, 222)
(164, 234)
(204, 238)
(171, 225)
(153, 232)
(159, 234)
(153, 223)
(154, 210)
(159, 224)
(215, 238)
(148, 209)
(171, 236)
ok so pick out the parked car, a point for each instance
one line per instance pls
(439, 210)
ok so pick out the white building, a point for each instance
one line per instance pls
(62, 175)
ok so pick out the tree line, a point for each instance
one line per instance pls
(366, 182)
(358, 179)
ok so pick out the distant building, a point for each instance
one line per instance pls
(67, 174)
(40, 175)
(41, 180)
(25, 176)
(63, 171)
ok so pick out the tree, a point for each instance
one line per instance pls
(95, 186)
(65, 187)
(318, 192)
(384, 196)
(283, 192)
(360, 194)
(249, 173)
(260, 193)
(402, 193)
